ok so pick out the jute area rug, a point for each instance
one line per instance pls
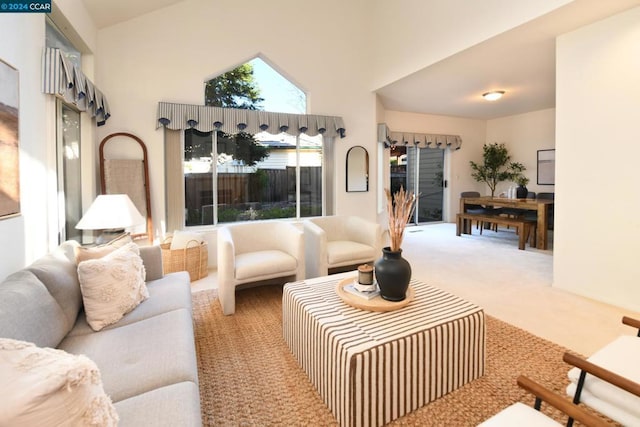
(248, 376)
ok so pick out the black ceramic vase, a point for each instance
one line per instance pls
(393, 274)
(521, 192)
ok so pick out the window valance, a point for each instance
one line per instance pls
(61, 77)
(422, 140)
(231, 120)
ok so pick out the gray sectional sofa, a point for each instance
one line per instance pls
(147, 360)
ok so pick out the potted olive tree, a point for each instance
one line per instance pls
(496, 166)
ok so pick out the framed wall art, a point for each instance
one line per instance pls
(547, 167)
(9, 142)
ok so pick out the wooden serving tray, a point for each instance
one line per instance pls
(374, 304)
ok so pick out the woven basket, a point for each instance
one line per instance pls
(193, 259)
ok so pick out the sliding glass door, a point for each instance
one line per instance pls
(421, 171)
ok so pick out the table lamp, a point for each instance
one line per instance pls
(111, 213)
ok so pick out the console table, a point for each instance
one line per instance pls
(373, 367)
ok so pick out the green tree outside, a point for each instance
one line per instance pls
(237, 89)
(234, 89)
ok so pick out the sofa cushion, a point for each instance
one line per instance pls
(60, 277)
(112, 286)
(264, 263)
(84, 253)
(28, 312)
(152, 260)
(172, 292)
(173, 405)
(51, 387)
(341, 251)
(141, 356)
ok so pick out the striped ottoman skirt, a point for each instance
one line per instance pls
(373, 367)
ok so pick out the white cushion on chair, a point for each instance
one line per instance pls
(255, 251)
(343, 251)
(612, 411)
(339, 241)
(263, 263)
(620, 357)
(519, 415)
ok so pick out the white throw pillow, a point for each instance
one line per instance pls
(49, 387)
(84, 253)
(112, 286)
(181, 239)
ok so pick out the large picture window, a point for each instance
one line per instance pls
(243, 177)
(225, 163)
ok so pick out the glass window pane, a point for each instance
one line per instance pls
(429, 206)
(421, 171)
(54, 38)
(69, 152)
(310, 176)
(198, 177)
(398, 172)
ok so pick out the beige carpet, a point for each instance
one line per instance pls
(248, 377)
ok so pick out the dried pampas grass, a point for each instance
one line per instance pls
(399, 210)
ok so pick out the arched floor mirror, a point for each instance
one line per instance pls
(124, 170)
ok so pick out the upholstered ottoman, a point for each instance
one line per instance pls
(373, 367)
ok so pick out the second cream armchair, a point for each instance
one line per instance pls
(340, 241)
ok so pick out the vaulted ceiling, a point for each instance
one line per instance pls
(520, 61)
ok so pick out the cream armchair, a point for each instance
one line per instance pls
(333, 242)
(256, 251)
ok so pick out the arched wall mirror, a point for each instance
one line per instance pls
(357, 169)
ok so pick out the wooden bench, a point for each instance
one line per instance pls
(524, 227)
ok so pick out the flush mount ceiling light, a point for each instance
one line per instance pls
(493, 95)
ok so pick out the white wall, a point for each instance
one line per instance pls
(457, 170)
(524, 135)
(167, 56)
(597, 152)
(23, 238)
(22, 39)
(414, 34)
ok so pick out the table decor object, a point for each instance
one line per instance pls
(366, 294)
(376, 303)
(393, 272)
(365, 283)
(522, 191)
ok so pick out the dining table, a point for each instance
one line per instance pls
(540, 206)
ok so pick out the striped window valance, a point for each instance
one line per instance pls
(61, 77)
(422, 140)
(231, 120)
